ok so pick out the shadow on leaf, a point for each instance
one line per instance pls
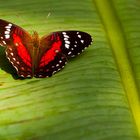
(6, 65)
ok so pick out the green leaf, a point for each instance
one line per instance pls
(96, 96)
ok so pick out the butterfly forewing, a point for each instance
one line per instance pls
(72, 42)
(5, 31)
(18, 47)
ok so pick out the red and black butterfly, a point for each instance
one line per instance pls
(34, 57)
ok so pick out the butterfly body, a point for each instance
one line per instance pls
(32, 56)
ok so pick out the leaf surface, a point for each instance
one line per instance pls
(96, 96)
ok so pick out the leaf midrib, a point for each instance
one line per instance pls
(118, 43)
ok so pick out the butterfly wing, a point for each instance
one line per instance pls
(18, 47)
(57, 48)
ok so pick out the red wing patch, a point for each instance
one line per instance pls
(51, 53)
(19, 57)
(22, 51)
(52, 67)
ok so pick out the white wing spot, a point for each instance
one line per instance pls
(1, 37)
(14, 59)
(64, 33)
(79, 36)
(11, 53)
(56, 51)
(10, 49)
(11, 62)
(60, 61)
(16, 68)
(57, 65)
(22, 68)
(76, 42)
(67, 46)
(8, 29)
(72, 49)
(66, 36)
(40, 75)
(4, 42)
(69, 53)
(54, 72)
(75, 46)
(77, 32)
(68, 42)
(82, 41)
(8, 58)
(7, 32)
(18, 62)
(7, 36)
(16, 44)
(22, 75)
(10, 24)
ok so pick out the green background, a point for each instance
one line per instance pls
(96, 96)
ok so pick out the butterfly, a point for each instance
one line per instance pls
(32, 56)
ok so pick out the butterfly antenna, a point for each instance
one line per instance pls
(48, 15)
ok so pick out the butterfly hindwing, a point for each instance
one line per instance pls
(18, 46)
(53, 66)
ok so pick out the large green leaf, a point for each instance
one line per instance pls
(96, 96)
